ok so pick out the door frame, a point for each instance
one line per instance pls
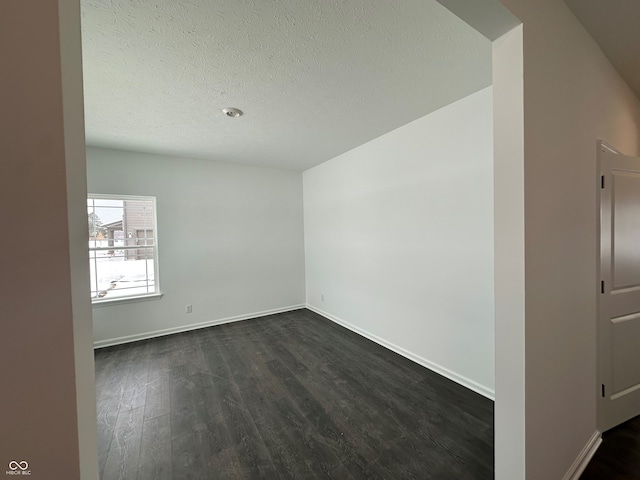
(602, 376)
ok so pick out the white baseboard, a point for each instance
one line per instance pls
(195, 326)
(445, 372)
(584, 458)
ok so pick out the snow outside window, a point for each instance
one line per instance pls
(123, 247)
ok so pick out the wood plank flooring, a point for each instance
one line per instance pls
(291, 395)
(618, 458)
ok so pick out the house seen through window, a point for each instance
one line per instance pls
(123, 252)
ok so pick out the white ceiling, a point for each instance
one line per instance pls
(315, 78)
(615, 25)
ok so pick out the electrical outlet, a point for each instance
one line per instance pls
(322, 297)
(189, 308)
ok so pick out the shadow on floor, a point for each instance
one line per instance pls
(618, 458)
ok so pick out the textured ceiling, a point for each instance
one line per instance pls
(615, 25)
(315, 78)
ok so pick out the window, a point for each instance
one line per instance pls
(123, 247)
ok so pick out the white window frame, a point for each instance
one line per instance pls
(134, 297)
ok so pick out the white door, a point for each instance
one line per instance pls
(619, 316)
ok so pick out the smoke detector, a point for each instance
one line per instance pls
(232, 112)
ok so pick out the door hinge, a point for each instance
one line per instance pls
(603, 395)
(601, 286)
(602, 181)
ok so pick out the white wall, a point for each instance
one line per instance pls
(230, 240)
(76, 168)
(399, 240)
(572, 98)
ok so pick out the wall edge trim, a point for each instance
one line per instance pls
(584, 457)
(195, 326)
(439, 369)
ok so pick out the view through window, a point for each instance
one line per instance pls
(122, 246)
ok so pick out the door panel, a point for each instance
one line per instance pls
(626, 215)
(626, 368)
(619, 305)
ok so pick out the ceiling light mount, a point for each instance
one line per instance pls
(233, 112)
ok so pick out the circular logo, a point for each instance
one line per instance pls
(23, 465)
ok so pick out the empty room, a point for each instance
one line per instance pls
(294, 239)
(302, 288)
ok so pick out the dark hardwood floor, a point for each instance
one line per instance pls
(286, 396)
(618, 458)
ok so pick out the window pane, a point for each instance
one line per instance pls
(121, 273)
(107, 202)
(103, 222)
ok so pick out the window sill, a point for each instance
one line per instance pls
(117, 301)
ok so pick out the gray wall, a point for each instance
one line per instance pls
(230, 241)
(48, 409)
